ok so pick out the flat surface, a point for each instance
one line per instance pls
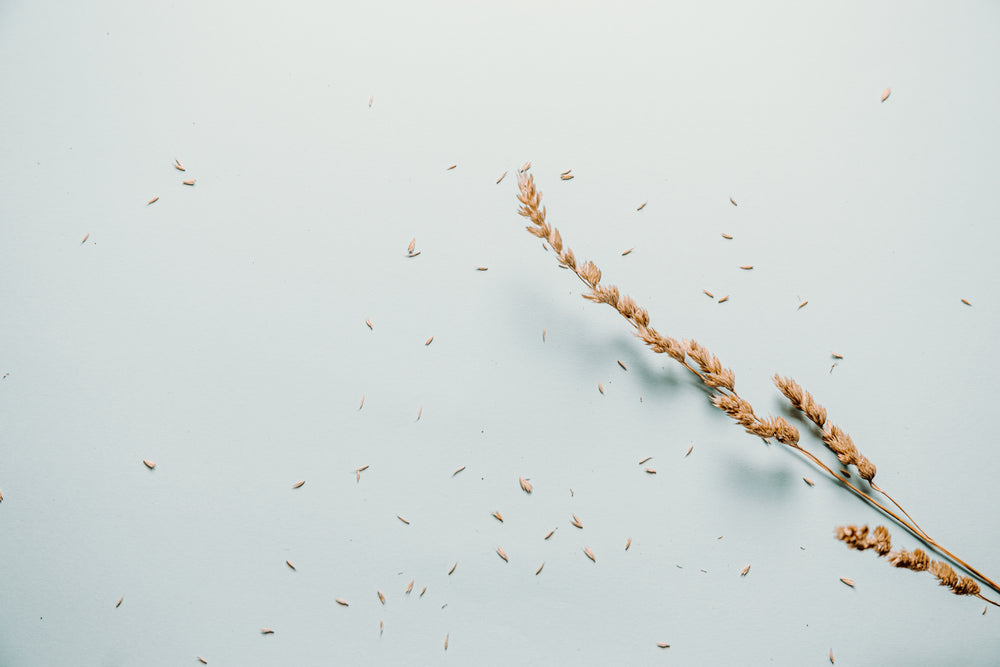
(220, 331)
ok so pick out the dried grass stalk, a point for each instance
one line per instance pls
(706, 366)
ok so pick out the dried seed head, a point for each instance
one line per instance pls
(724, 299)
(482, 268)
(733, 201)
(808, 481)
(802, 305)
(966, 302)
(451, 167)
(589, 553)
(298, 485)
(413, 244)
(663, 645)
(370, 325)
(710, 295)
(446, 641)
(622, 365)
(567, 177)
(409, 587)
(600, 387)
(424, 589)
(576, 522)
(648, 458)
(747, 267)
(651, 471)
(202, 660)
(689, 450)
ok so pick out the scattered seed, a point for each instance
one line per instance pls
(571, 494)
(648, 458)
(362, 468)
(567, 177)
(119, 603)
(153, 201)
(189, 181)
(526, 166)
(413, 254)
(502, 554)
(412, 246)
(845, 473)
(482, 268)
(539, 570)
(747, 267)
(458, 470)
(836, 356)
(1, 496)
(381, 627)
(543, 335)
(622, 365)
(429, 341)
(831, 657)
(733, 201)
(424, 589)
(590, 554)
(362, 402)
(370, 325)
(202, 660)
(984, 611)
(724, 299)
(178, 166)
(628, 543)
(650, 471)
(419, 412)
(565, 172)
(688, 452)
(267, 631)
(403, 520)
(501, 177)
(576, 521)
(371, 98)
(662, 645)
(885, 96)
(710, 295)
(849, 582)
(641, 206)
(446, 641)
(451, 167)
(550, 533)
(808, 481)
(381, 596)
(342, 602)
(963, 300)
(289, 564)
(728, 236)
(801, 305)
(600, 387)
(409, 587)
(627, 251)
(745, 570)
(87, 236)
(498, 516)
(357, 476)
(450, 571)
(525, 485)
(149, 464)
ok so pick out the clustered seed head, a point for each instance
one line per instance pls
(917, 560)
(841, 444)
(801, 400)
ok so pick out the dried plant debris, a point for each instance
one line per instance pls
(498, 516)
(267, 631)
(153, 200)
(298, 485)
(745, 571)
(885, 94)
(848, 582)
(641, 206)
(403, 520)
(525, 485)
(589, 554)
(662, 645)
(539, 570)
(747, 267)
(451, 570)
(149, 464)
(966, 302)
(550, 533)
(706, 366)
(628, 543)
(342, 602)
(808, 481)
(458, 470)
(502, 554)
(119, 603)
(501, 177)
(628, 252)
(290, 566)
(732, 201)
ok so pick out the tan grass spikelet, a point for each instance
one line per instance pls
(539, 570)
(696, 359)
(628, 252)
(409, 586)
(458, 470)
(885, 94)
(728, 237)
(501, 177)
(149, 464)
(550, 533)
(403, 520)
(413, 244)
(85, 237)
(498, 516)
(745, 571)
(342, 602)
(119, 603)
(747, 267)
(266, 631)
(732, 201)
(502, 554)
(189, 181)
(641, 206)
(525, 485)
(381, 596)
(153, 200)
(450, 571)
(290, 566)
(589, 554)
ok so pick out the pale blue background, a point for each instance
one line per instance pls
(220, 332)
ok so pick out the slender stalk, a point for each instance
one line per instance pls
(714, 376)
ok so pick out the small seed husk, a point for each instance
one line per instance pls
(589, 553)
(149, 464)
(849, 582)
(525, 485)
(403, 520)
(502, 554)
(342, 602)
(501, 177)
(745, 571)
